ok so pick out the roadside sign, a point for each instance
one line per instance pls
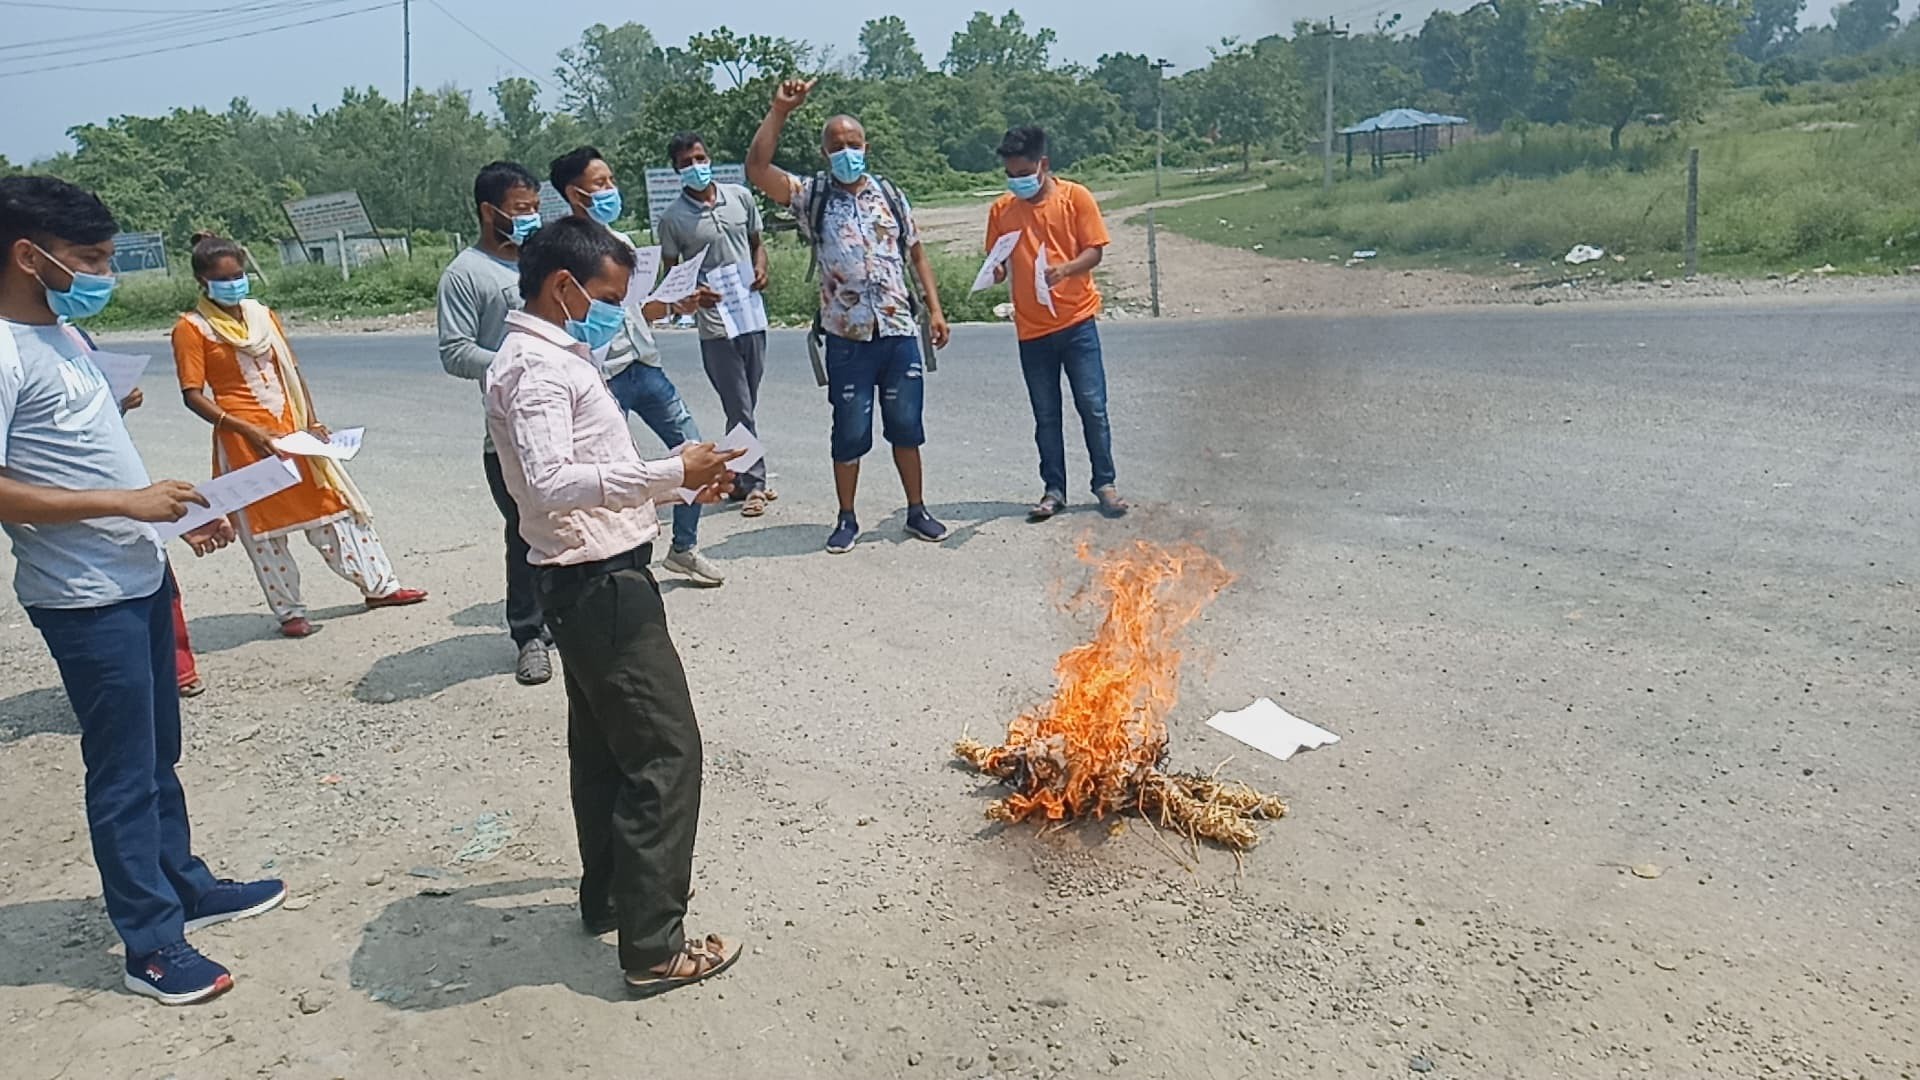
(139, 251)
(663, 186)
(552, 206)
(319, 217)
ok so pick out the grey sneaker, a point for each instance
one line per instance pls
(696, 566)
(536, 664)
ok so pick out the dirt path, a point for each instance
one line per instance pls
(1202, 280)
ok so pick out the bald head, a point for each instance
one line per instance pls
(842, 132)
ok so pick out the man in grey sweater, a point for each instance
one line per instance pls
(477, 290)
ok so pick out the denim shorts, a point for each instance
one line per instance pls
(855, 370)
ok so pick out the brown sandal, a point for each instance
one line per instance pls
(701, 961)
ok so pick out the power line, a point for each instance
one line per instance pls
(157, 31)
(94, 60)
(483, 40)
(103, 10)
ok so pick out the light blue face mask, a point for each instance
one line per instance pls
(84, 297)
(849, 165)
(524, 226)
(697, 176)
(1024, 187)
(229, 293)
(603, 321)
(605, 206)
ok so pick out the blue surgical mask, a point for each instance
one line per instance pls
(849, 165)
(697, 176)
(606, 206)
(1024, 187)
(229, 293)
(81, 299)
(603, 321)
(524, 226)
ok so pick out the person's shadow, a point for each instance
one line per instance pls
(37, 712)
(965, 519)
(438, 952)
(426, 670)
(59, 943)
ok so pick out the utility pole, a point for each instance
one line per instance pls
(1326, 161)
(406, 104)
(1159, 132)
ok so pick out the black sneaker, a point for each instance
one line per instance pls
(924, 526)
(844, 535)
(177, 975)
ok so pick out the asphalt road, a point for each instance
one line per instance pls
(1581, 589)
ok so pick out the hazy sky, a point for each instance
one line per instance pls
(122, 70)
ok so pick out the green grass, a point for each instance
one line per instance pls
(1825, 177)
(397, 286)
(1136, 189)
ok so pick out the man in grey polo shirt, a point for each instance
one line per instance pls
(723, 219)
(477, 290)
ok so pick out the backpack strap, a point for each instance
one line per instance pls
(818, 191)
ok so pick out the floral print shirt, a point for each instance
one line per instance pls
(863, 280)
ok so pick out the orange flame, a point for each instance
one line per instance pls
(1089, 750)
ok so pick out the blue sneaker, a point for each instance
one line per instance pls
(229, 900)
(924, 526)
(844, 535)
(177, 975)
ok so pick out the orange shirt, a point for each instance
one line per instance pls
(1068, 221)
(251, 389)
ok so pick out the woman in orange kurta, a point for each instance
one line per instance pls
(238, 373)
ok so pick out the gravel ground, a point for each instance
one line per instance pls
(1582, 590)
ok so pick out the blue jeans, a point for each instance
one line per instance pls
(646, 392)
(118, 668)
(855, 369)
(1076, 351)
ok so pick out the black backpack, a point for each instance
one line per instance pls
(819, 190)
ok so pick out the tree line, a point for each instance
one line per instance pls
(1502, 63)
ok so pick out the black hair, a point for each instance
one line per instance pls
(568, 166)
(43, 206)
(576, 245)
(1028, 142)
(209, 248)
(682, 143)
(499, 177)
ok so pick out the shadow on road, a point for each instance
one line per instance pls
(440, 952)
(427, 670)
(965, 519)
(37, 712)
(481, 616)
(59, 943)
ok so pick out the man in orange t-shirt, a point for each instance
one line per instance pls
(1056, 308)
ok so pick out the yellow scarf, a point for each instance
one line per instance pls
(256, 333)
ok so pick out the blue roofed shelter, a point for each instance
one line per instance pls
(1401, 133)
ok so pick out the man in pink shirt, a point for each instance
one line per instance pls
(586, 503)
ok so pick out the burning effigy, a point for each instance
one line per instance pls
(1097, 747)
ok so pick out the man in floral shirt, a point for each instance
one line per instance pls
(864, 238)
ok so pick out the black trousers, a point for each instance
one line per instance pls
(524, 620)
(633, 746)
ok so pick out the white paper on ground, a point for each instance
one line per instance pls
(646, 266)
(680, 281)
(236, 490)
(122, 372)
(737, 439)
(1002, 248)
(339, 445)
(1271, 729)
(1040, 287)
(742, 311)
